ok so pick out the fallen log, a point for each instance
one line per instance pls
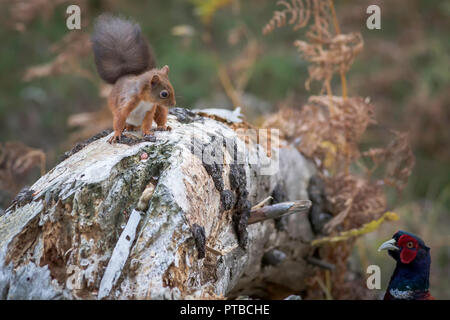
(160, 220)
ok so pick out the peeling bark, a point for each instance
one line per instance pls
(158, 220)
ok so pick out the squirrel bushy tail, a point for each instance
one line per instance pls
(119, 48)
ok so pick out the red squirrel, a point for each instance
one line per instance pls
(125, 59)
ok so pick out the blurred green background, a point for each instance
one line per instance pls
(404, 69)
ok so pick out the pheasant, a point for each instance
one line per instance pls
(410, 280)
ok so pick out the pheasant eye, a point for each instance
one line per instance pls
(410, 244)
(164, 94)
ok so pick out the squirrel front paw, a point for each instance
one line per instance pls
(166, 128)
(115, 139)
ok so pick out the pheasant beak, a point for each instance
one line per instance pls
(389, 245)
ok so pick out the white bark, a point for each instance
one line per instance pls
(109, 223)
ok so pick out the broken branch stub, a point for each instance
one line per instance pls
(279, 210)
(159, 220)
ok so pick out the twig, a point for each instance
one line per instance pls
(328, 283)
(324, 288)
(221, 252)
(338, 31)
(262, 203)
(320, 263)
(362, 254)
(228, 86)
(278, 210)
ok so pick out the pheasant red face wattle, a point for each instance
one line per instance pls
(408, 246)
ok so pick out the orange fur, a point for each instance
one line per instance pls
(130, 90)
(161, 117)
(124, 58)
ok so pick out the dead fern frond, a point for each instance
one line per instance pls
(16, 161)
(88, 124)
(299, 10)
(326, 129)
(70, 50)
(355, 200)
(328, 56)
(20, 13)
(286, 120)
(241, 66)
(320, 28)
(397, 158)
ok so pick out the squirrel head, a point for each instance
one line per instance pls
(161, 90)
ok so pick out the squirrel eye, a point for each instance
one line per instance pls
(410, 244)
(164, 94)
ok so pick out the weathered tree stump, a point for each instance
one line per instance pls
(157, 220)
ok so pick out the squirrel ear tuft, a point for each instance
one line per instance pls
(155, 80)
(165, 69)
